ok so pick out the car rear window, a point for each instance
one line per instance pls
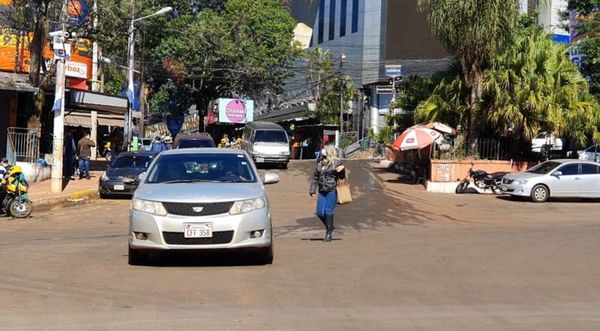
(270, 136)
(195, 143)
(132, 161)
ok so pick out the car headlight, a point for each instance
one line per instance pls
(245, 206)
(150, 207)
(104, 177)
(521, 182)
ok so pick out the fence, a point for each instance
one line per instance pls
(23, 145)
(483, 149)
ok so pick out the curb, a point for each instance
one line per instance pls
(72, 199)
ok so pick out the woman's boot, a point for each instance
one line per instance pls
(322, 218)
(329, 227)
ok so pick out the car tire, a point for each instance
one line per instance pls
(137, 257)
(540, 193)
(265, 255)
(284, 166)
(104, 196)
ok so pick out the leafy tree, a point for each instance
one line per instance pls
(34, 16)
(243, 50)
(327, 86)
(533, 86)
(473, 30)
(588, 26)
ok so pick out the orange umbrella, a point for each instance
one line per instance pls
(416, 138)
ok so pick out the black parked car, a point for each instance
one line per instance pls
(121, 177)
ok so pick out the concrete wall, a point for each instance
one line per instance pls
(34, 172)
(455, 170)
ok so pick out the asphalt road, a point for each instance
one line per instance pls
(402, 259)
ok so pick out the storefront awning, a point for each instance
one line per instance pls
(85, 121)
(86, 100)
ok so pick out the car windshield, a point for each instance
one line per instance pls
(201, 167)
(271, 136)
(195, 143)
(132, 161)
(544, 168)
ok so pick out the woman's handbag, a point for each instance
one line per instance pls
(343, 191)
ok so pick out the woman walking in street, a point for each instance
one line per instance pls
(324, 183)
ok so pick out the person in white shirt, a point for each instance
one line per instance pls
(4, 167)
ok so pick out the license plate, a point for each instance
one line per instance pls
(119, 187)
(197, 230)
(260, 159)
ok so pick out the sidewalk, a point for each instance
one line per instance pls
(75, 192)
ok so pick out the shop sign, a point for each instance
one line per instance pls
(75, 69)
(236, 111)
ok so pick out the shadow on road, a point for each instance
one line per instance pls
(203, 258)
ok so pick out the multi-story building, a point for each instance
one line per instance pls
(371, 34)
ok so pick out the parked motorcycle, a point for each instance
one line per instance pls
(15, 203)
(482, 180)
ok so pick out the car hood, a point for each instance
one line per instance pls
(124, 172)
(523, 175)
(199, 192)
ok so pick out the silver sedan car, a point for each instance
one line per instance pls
(201, 198)
(555, 178)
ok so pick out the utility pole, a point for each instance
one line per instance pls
(59, 107)
(342, 86)
(95, 65)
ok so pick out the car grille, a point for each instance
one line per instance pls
(187, 209)
(507, 181)
(177, 238)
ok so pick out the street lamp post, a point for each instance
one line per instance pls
(130, 69)
(342, 87)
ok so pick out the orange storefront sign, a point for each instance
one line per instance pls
(15, 57)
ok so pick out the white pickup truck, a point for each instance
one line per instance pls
(546, 138)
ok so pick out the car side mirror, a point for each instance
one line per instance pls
(270, 178)
(557, 173)
(142, 176)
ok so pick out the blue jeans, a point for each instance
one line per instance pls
(84, 167)
(326, 202)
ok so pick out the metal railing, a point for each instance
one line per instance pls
(484, 149)
(23, 145)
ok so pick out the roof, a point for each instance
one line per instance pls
(194, 136)
(261, 125)
(573, 161)
(204, 150)
(138, 153)
(10, 81)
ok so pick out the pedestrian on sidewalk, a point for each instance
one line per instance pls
(69, 156)
(4, 167)
(328, 171)
(116, 143)
(84, 149)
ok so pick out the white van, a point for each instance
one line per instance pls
(266, 142)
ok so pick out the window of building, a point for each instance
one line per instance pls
(354, 16)
(321, 21)
(343, 6)
(331, 19)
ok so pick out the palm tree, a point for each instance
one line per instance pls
(473, 30)
(533, 86)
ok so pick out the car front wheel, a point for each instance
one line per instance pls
(265, 255)
(137, 257)
(540, 193)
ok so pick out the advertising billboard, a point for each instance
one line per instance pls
(235, 111)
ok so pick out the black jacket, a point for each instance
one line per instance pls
(325, 177)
